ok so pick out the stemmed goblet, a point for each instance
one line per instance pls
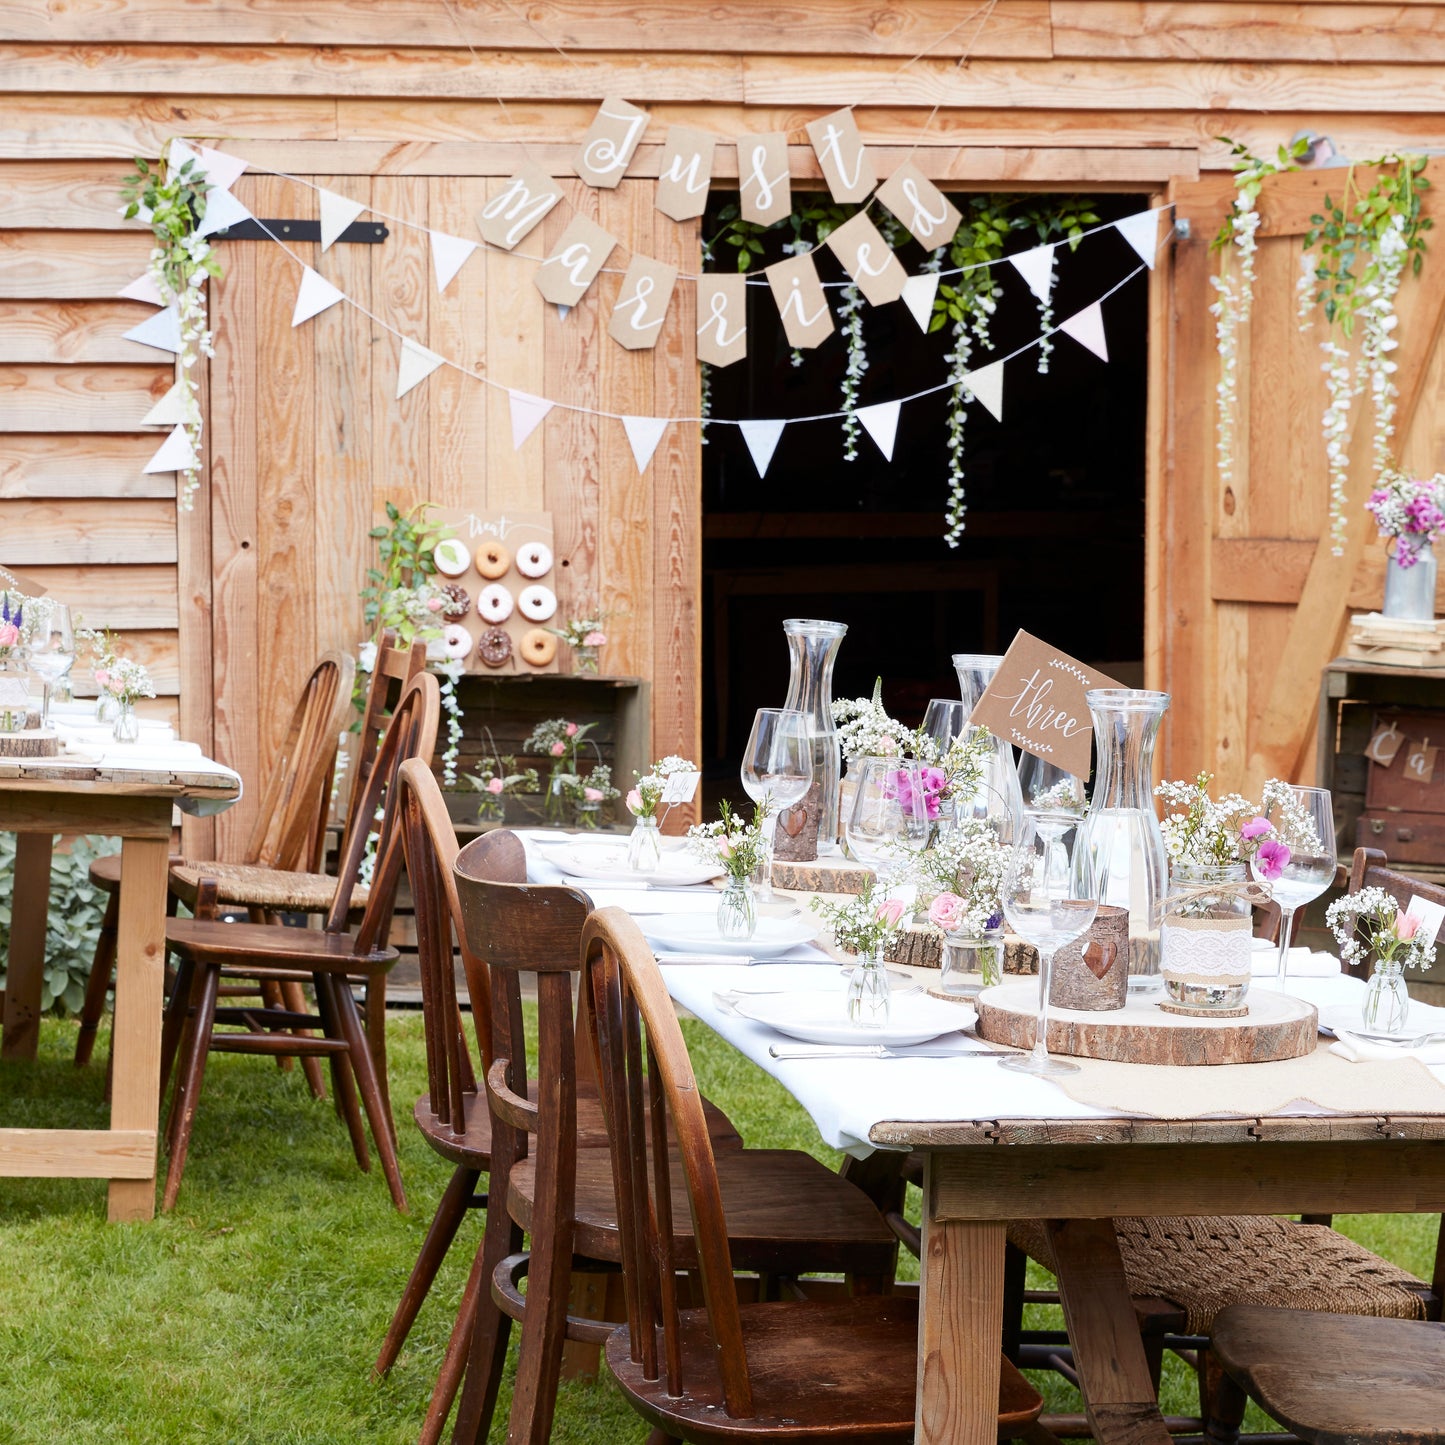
(1295, 866)
(52, 647)
(890, 818)
(777, 771)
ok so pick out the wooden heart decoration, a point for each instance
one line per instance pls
(793, 820)
(1099, 957)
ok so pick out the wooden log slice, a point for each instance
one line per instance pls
(32, 743)
(1277, 1026)
(820, 875)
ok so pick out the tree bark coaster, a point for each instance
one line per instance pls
(32, 743)
(820, 875)
(1203, 1013)
(1277, 1026)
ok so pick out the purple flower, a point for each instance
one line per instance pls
(1256, 828)
(931, 782)
(1270, 860)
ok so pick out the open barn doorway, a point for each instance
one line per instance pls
(1053, 540)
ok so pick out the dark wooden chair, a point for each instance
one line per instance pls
(290, 825)
(787, 1370)
(327, 959)
(794, 1216)
(1334, 1379)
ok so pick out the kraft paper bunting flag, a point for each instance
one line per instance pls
(762, 438)
(170, 410)
(1037, 268)
(722, 324)
(918, 294)
(143, 288)
(316, 293)
(518, 208)
(847, 166)
(416, 364)
(1141, 231)
(986, 384)
(764, 184)
(163, 330)
(1420, 761)
(337, 213)
(920, 207)
(644, 432)
(528, 413)
(175, 455)
(563, 278)
(1087, 328)
(641, 305)
(448, 255)
(608, 147)
(686, 172)
(881, 423)
(801, 301)
(868, 259)
(223, 210)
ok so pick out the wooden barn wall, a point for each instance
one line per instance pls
(396, 102)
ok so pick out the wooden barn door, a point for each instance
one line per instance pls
(308, 440)
(1251, 602)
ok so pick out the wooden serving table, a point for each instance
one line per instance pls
(131, 796)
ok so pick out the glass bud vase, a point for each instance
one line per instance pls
(1387, 1001)
(997, 797)
(22, 691)
(1121, 828)
(644, 846)
(127, 724)
(1206, 938)
(585, 660)
(737, 909)
(1410, 591)
(868, 1001)
(971, 962)
(812, 650)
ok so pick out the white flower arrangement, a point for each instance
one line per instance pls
(124, 680)
(964, 870)
(865, 729)
(1370, 921)
(861, 924)
(643, 800)
(850, 313)
(1204, 832)
(729, 842)
(1410, 510)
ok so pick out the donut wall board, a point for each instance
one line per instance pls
(505, 565)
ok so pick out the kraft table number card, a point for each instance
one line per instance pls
(1036, 702)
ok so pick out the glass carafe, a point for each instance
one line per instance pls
(813, 648)
(1122, 828)
(997, 797)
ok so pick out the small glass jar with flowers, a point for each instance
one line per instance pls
(644, 846)
(1412, 511)
(561, 742)
(960, 882)
(865, 926)
(586, 636)
(22, 693)
(496, 780)
(125, 682)
(736, 846)
(1370, 924)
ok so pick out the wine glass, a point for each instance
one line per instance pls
(1053, 797)
(1049, 899)
(777, 771)
(52, 647)
(944, 720)
(1308, 865)
(891, 815)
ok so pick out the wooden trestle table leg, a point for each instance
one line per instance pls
(25, 968)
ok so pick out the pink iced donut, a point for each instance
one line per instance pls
(534, 560)
(456, 640)
(494, 604)
(536, 603)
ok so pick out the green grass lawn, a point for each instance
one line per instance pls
(255, 1311)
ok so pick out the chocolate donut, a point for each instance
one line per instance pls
(494, 647)
(492, 560)
(459, 600)
(537, 647)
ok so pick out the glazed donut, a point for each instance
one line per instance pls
(456, 639)
(536, 603)
(451, 557)
(534, 560)
(538, 648)
(493, 559)
(494, 605)
(494, 647)
(458, 601)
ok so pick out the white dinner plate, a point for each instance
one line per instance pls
(818, 1018)
(608, 864)
(698, 934)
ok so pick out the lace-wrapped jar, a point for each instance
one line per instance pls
(1207, 939)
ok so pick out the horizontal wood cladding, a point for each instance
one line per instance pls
(57, 266)
(80, 399)
(130, 597)
(79, 532)
(98, 464)
(73, 332)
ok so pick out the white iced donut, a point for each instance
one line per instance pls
(534, 560)
(536, 603)
(456, 639)
(452, 557)
(494, 605)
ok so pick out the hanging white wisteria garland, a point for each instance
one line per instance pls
(850, 314)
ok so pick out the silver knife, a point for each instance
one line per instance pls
(868, 1051)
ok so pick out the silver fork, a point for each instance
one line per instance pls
(1391, 1041)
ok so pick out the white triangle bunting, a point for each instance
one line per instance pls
(644, 433)
(315, 295)
(1141, 231)
(143, 288)
(918, 294)
(881, 423)
(1087, 328)
(762, 438)
(448, 255)
(162, 331)
(175, 455)
(1037, 268)
(222, 211)
(337, 213)
(986, 384)
(222, 170)
(417, 363)
(528, 413)
(170, 410)
(563, 312)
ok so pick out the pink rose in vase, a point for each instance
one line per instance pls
(571, 730)
(495, 785)
(592, 795)
(634, 802)
(558, 749)
(595, 639)
(890, 911)
(946, 912)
